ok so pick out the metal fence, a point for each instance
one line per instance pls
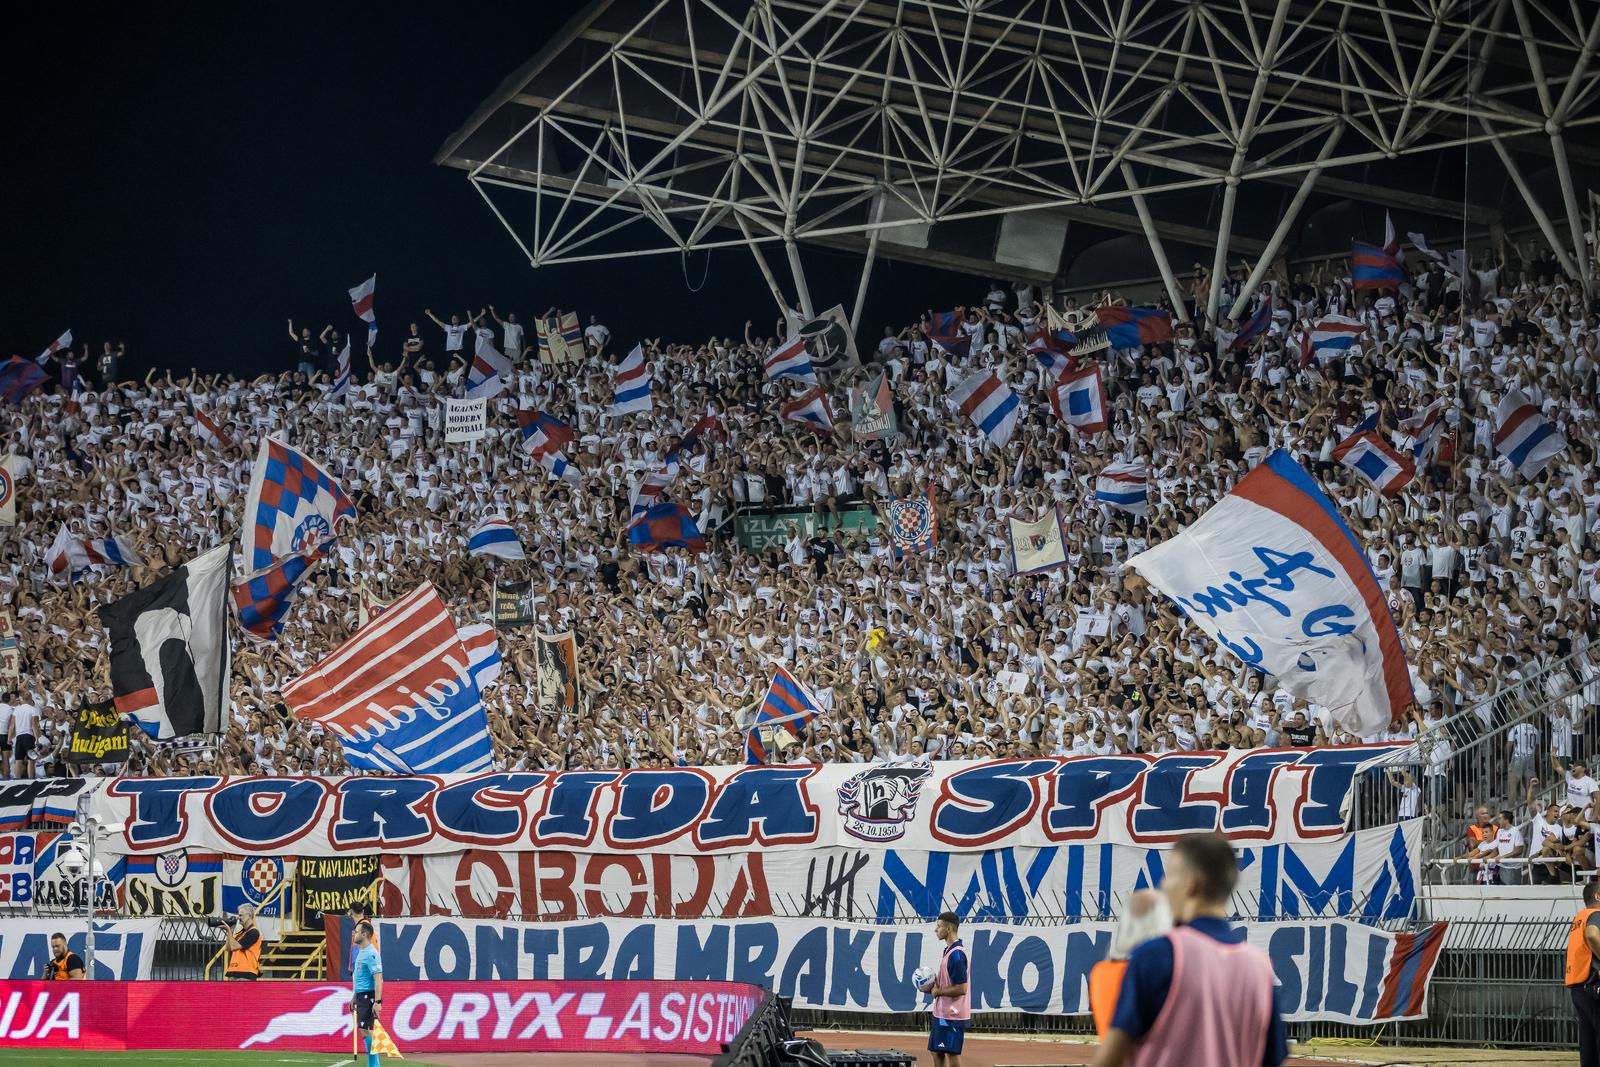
(1496, 985)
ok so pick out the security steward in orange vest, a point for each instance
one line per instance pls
(62, 966)
(1583, 976)
(244, 948)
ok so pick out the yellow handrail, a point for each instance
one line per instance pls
(277, 892)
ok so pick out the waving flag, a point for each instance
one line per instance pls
(666, 525)
(483, 652)
(206, 428)
(20, 377)
(1134, 327)
(1255, 326)
(1040, 545)
(787, 706)
(1369, 455)
(559, 468)
(361, 301)
(946, 331)
(1273, 574)
(1079, 399)
(113, 551)
(809, 410)
(541, 433)
(630, 384)
(293, 506)
(64, 341)
(1373, 268)
(401, 694)
(1391, 240)
(495, 537)
(1050, 348)
(341, 375)
(66, 554)
(262, 600)
(1525, 437)
(985, 398)
(489, 371)
(872, 415)
(1426, 428)
(1331, 335)
(652, 489)
(791, 360)
(913, 523)
(1125, 487)
(169, 649)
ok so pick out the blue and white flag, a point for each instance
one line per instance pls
(791, 360)
(558, 467)
(341, 376)
(985, 398)
(630, 384)
(495, 537)
(489, 372)
(1125, 487)
(1426, 428)
(1272, 573)
(402, 694)
(1524, 436)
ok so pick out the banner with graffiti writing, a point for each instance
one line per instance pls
(1327, 969)
(1265, 796)
(1370, 874)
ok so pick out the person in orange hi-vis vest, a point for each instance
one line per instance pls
(1148, 915)
(1583, 976)
(1200, 996)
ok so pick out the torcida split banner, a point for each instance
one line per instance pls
(1269, 796)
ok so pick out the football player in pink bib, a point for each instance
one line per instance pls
(951, 1006)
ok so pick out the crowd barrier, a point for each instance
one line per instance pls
(605, 1017)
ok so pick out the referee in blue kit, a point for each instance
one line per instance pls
(366, 1000)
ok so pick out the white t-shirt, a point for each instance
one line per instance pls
(453, 336)
(26, 717)
(1578, 789)
(5, 720)
(1508, 841)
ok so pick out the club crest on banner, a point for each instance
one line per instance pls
(911, 522)
(261, 876)
(312, 531)
(879, 803)
(172, 868)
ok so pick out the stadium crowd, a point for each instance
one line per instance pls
(1489, 575)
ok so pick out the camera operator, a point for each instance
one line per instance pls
(244, 948)
(62, 966)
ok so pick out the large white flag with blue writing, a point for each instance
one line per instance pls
(1273, 573)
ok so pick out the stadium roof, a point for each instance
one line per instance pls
(1012, 137)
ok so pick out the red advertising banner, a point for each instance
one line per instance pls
(422, 1017)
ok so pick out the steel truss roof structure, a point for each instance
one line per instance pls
(649, 126)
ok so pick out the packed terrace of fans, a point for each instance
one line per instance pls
(1488, 574)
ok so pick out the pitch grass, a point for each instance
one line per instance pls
(179, 1058)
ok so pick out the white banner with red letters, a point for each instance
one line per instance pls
(1264, 796)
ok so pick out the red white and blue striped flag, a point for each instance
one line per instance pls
(361, 300)
(341, 375)
(787, 706)
(811, 411)
(489, 371)
(402, 694)
(1525, 437)
(64, 341)
(1125, 487)
(791, 360)
(1426, 428)
(541, 433)
(985, 398)
(630, 384)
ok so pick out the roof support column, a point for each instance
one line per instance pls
(1247, 130)
(1285, 224)
(799, 273)
(1546, 227)
(1180, 309)
(866, 276)
(761, 262)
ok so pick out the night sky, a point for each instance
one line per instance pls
(187, 180)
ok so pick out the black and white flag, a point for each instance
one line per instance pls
(169, 649)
